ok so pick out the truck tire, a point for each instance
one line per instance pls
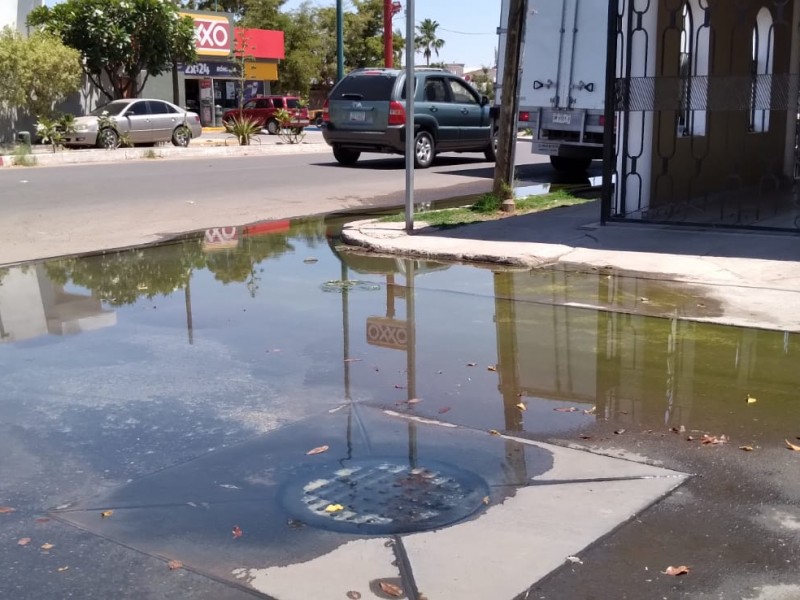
(346, 157)
(563, 164)
(424, 150)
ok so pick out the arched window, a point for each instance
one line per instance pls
(761, 94)
(693, 67)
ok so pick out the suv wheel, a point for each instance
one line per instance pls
(424, 150)
(491, 152)
(346, 157)
(272, 127)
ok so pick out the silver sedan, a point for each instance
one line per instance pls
(135, 121)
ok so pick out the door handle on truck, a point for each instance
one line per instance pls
(537, 85)
(589, 87)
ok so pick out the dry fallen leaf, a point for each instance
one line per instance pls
(317, 450)
(106, 513)
(444, 409)
(334, 508)
(590, 411)
(494, 432)
(570, 409)
(522, 406)
(42, 520)
(174, 564)
(23, 541)
(585, 437)
(391, 589)
(48, 546)
(62, 569)
(491, 368)
(237, 532)
(619, 431)
(746, 448)
(751, 400)
(6, 509)
(413, 401)
(792, 446)
(353, 595)
(675, 571)
(680, 429)
(352, 360)
(714, 440)
(486, 500)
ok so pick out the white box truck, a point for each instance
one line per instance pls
(562, 78)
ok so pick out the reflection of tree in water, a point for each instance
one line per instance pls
(122, 277)
(240, 264)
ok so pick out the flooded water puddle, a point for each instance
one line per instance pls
(265, 381)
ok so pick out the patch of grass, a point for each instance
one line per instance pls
(23, 157)
(150, 153)
(487, 208)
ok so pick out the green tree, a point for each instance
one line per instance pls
(119, 40)
(36, 72)
(427, 40)
(237, 7)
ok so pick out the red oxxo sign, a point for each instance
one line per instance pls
(213, 34)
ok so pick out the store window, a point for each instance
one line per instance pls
(761, 94)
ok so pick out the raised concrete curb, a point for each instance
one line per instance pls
(753, 292)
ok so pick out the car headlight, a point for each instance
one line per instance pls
(82, 127)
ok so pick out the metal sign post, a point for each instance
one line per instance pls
(410, 130)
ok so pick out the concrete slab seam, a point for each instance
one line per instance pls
(404, 566)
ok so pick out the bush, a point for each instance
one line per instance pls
(243, 129)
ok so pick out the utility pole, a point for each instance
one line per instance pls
(339, 40)
(388, 50)
(507, 129)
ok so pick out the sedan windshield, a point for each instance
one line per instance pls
(112, 108)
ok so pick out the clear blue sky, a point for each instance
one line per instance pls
(468, 27)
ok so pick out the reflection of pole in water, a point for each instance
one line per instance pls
(187, 296)
(345, 356)
(411, 358)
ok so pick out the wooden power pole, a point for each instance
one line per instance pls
(507, 128)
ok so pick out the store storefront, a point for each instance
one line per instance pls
(214, 83)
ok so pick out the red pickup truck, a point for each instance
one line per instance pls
(262, 109)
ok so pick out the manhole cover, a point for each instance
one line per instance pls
(380, 496)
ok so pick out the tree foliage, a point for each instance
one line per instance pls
(427, 41)
(120, 40)
(36, 72)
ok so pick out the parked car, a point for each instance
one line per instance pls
(142, 120)
(262, 109)
(366, 112)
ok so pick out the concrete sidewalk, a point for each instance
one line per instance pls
(754, 275)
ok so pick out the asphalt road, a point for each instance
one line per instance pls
(54, 211)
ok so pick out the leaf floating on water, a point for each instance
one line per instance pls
(522, 406)
(619, 431)
(47, 546)
(334, 508)
(494, 432)
(237, 532)
(106, 513)
(792, 446)
(746, 448)
(62, 569)
(567, 410)
(574, 560)
(23, 541)
(675, 571)
(310, 259)
(352, 360)
(42, 519)
(472, 364)
(486, 500)
(174, 565)
(590, 411)
(229, 486)
(317, 450)
(680, 429)
(354, 595)
(713, 440)
(391, 589)
(4, 510)
(585, 437)
(750, 399)
(413, 401)
(491, 368)
(399, 387)
(443, 410)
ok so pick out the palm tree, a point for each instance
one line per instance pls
(427, 40)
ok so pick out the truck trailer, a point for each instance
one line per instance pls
(561, 93)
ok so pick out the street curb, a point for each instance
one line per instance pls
(72, 157)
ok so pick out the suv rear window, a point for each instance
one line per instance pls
(292, 103)
(371, 88)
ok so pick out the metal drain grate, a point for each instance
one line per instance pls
(380, 496)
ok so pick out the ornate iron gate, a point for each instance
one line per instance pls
(703, 97)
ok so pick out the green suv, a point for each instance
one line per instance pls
(365, 112)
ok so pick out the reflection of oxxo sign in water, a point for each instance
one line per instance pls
(386, 332)
(220, 238)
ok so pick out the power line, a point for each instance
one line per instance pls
(466, 32)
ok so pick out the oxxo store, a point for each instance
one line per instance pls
(212, 84)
